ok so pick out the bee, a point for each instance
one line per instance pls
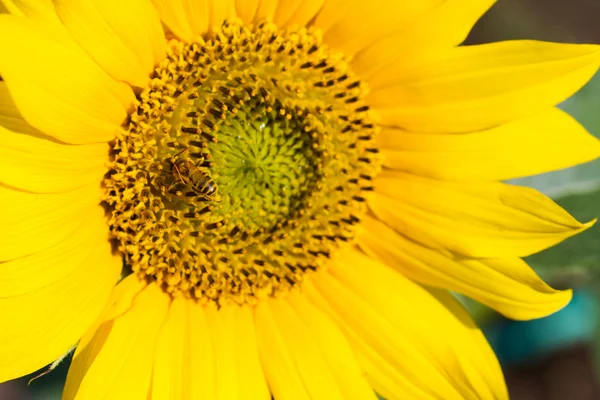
(186, 174)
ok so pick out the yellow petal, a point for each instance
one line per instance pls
(220, 10)
(246, 9)
(56, 86)
(334, 349)
(122, 368)
(205, 353)
(547, 141)
(266, 10)
(442, 27)
(278, 363)
(43, 166)
(170, 373)
(123, 37)
(296, 12)
(394, 326)
(285, 10)
(38, 10)
(305, 13)
(189, 19)
(41, 221)
(250, 376)
(507, 285)
(27, 274)
(238, 373)
(201, 355)
(290, 356)
(374, 20)
(119, 303)
(174, 13)
(51, 298)
(477, 87)
(32, 161)
(487, 219)
(10, 117)
(222, 333)
(198, 15)
(330, 14)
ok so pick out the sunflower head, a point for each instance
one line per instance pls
(294, 188)
(245, 164)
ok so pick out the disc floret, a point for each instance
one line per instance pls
(245, 165)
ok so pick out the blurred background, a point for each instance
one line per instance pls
(556, 358)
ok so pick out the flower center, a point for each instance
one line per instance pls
(244, 166)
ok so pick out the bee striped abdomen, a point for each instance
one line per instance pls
(203, 185)
(209, 187)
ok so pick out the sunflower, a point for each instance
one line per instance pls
(220, 199)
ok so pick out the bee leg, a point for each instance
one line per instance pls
(178, 172)
(175, 156)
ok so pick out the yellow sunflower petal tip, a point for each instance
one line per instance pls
(537, 299)
(582, 144)
(554, 301)
(596, 147)
(560, 299)
(589, 224)
(578, 228)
